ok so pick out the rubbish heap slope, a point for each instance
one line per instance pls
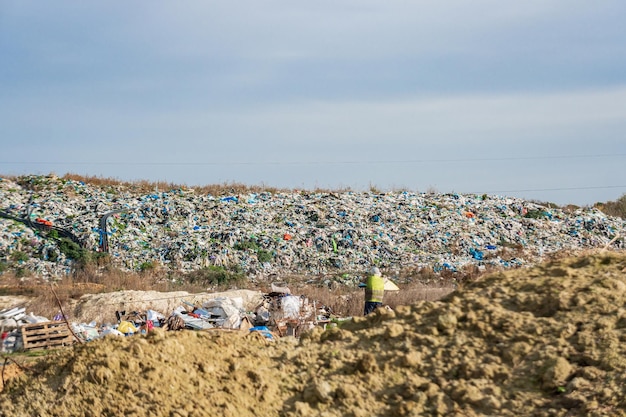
(288, 232)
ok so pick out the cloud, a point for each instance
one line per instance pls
(485, 121)
(337, 89)
(253, 52)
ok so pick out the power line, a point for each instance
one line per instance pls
(345, 162)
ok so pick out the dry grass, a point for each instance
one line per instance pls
(226, 188)
(88, 280)
(350, 301)
(342, 300)
(144, 186)
(615, 208)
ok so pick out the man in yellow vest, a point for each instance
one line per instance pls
(374, 291)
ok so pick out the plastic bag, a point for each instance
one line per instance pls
(291, 307)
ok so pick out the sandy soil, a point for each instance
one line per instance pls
(545, 341)
(10, 301)
(101, 307)
(8, 370)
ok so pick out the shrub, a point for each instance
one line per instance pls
(146, 266)
(615, 208)
(252, 245)
(535, 214)
(81, 256)
(264, 256)
(247, 245)
(73, 250)
(99, 258)
(22, 272)
(53, 256)
(19, 256)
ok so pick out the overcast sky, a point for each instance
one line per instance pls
(526, 99)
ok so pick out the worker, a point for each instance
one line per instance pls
(374, 291)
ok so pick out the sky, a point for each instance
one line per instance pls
(522, 99)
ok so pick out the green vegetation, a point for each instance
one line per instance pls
(25, 354)
(252, 245)
(73, 250)
(99, 258)
(82, 257)
(264, 256)
(118, 225)
(535, 214)
(53, 256)
(22, 272)
(215, 275)
(19, 256)
(146, 266)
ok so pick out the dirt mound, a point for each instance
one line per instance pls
(7, 302)
(7, 371)
(546, 341)
(101, 307)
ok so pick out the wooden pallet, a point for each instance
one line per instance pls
(46, 335)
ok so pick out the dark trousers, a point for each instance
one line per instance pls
(371, 306)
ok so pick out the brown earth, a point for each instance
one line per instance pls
(10, 301)
(9, 370)
(544, 341)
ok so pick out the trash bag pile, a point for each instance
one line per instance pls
(296, 232)
(277, 313)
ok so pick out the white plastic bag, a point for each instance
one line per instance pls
(291, 306)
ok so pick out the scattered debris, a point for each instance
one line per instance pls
(281, 313)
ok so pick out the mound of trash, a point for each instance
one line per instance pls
(543, 341)
(44, 218)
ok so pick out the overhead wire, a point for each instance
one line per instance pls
(355, 162)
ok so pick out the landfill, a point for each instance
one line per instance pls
(295, 232)
(544, 341)
(128, 313)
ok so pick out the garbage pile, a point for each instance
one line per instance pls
(275, 314)
(10, 320)
(298, 232)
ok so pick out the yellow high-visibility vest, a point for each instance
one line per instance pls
(374, 289)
